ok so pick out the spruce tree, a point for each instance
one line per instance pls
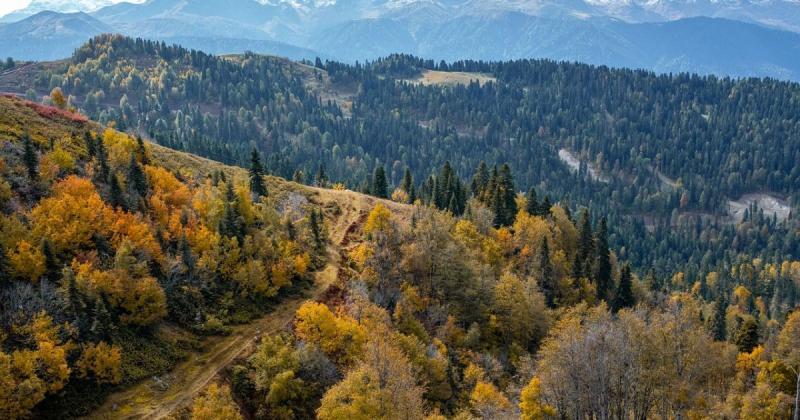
(585, 245)
(141, 151)
(104, 171)
(532, 203)
(408, 182)
(480, 180)
(315, 223)
(137, 180)
(30, 158)
(51, 266)
(231, 224)
(720, 328)
(746, 338)
(548, 281)
(88, 138)
(602, 266)
(117, 198)
(508, 194)
(380, 188)
(322, 178)
(624, 296)
(257, 187)
(4, 275)
(544, 208)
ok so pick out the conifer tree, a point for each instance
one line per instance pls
(408, 181)
(137, 180)
(51, 266)
(231, 224)
(624, 296)
(480, 180)
(602, 266)
(321, 178)
(88, 138)
(117, 199)
(746, 338)
(315, 224)
(508, 195)
(585, 245)
(548, 281)
(101, 155)
(3, 265)
(720, 328)
(257, 186)
(380, 188)
(532, 203)
(30, 158)
(141, 151)
(545, 206)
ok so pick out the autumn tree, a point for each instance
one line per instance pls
(58, 98)
(531, 404)
(382, 386)
(215, 404)
(101, 361)
(789, 352)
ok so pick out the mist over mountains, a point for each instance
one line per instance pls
(725, 37)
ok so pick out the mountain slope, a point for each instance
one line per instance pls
(663, 36)
(48, 35)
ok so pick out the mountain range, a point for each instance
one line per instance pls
(725, 37)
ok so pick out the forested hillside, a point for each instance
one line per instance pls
(118, 257)
(100, 244)
(683, 166)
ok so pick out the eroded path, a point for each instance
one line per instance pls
(345, 211)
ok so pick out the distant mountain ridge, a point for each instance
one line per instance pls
(724, 37)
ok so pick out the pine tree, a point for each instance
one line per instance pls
(508, 195)
(602, 266)
(322, 178)
(291, 233)
(412, 194)
(720, 328)
(231, 224)
(257, 186)
(315, 223)
(585, 245)
(30, 158)
(141, 151)
(532, 203)
(297, 176)
(51, 266)
(624, 296)
(380, 188)
(104, 172)
(88, 138)
(548, 281)
(480, 180)
(3, 265)
(544, 208)
(746, 338)
(117, 199)
(137, 180)
(408, 182)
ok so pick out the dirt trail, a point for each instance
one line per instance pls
(345, 211)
